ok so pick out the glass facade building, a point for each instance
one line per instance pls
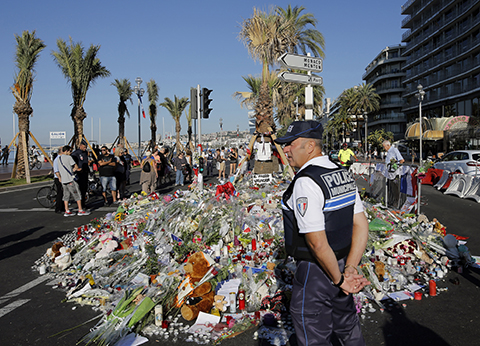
(442, 51)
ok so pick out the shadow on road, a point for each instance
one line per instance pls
(401, 331)
(19, 247)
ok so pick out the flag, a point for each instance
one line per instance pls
(141, 103)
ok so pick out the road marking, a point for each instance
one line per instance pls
(23, 288)
(12, 306)
(12, 210)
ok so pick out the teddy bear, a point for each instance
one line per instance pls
(64, 260)
(380, 270)
(106, 246)
(54, 251)
(202, 296)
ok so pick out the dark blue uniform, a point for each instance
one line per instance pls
(319, 308)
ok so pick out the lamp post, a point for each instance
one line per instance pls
(139, 92)
(365, 116)
(420, 95)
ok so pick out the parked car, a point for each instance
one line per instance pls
(462, 161)
(333, 155)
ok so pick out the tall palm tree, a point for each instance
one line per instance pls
(176, 108)
(347, 101)
(152, 90)
(300, 36)
(27, 52)
(367, 101)
(81, 69)
(125, 91)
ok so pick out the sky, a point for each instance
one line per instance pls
(179, 44)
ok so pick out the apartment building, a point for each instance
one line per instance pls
(385, 74)
(442, 51)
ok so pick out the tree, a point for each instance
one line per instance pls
(377, 137)
(26, 55)
(269, 35)
(176, 108)
(125, 91)
(152, 90)
(367, 101)
(81, 69)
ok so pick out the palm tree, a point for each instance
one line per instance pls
(347, 101)
(125, 91)
(152, 90)
(300, 38)
(81, 69)
(176, 108)
(26, 56)
(367, 101)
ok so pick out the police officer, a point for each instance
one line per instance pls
(326, 231)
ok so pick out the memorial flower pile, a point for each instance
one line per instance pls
(136, 265)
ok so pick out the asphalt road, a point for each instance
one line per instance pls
(32, 313)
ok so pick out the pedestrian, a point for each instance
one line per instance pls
(375, 153)
(106, 169)
(188, 168)
(221, 160)
(326, 231)
(346, 156)
(59, 205)
(66, 175)
(233, 157)
(120, 176)
(81, 159)
(210, 158)
(392, 153)
(179, 165)
(148, 175)
(5, 154)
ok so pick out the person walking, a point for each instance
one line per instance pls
(106, 168)
(59, 205)
(346, 156)
(66, 175)
(326, 231)
(5, 154)
(81, 159)
(233, 157)
(148, 175)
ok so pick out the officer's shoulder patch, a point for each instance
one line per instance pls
(302, 205)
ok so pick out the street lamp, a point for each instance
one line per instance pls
(365, 116)
(139, 92)
(420, 95)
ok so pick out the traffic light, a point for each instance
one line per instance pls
(193, 102)
(206, 102)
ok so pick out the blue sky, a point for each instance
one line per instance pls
(179, 44)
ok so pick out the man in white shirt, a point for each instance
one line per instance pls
(326, 231)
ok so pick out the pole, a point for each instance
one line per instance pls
(99, 131)
(366, 135)
(309, 98)
(199, 117)
(139, 131)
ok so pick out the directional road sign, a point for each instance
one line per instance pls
(300, 78)
(301, 62)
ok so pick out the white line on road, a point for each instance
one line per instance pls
(12, 306)
(23, 288)
(12, 210)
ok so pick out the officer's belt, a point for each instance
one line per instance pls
(339, 254)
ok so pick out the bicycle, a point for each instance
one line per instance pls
(35, 163)
(47, 195)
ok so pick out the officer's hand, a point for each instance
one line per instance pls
(353, 282)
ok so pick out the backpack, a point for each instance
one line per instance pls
(146, 167)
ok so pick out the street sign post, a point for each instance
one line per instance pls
(301, 62)
(300, 78)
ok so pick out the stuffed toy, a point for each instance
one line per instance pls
(64, 260)
(106, 246)
(220, 303)
(54, 251)
(202, 297)
(380, 270)
(439, 228)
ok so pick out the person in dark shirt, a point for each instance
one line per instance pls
(80, 156)
(107, 164)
